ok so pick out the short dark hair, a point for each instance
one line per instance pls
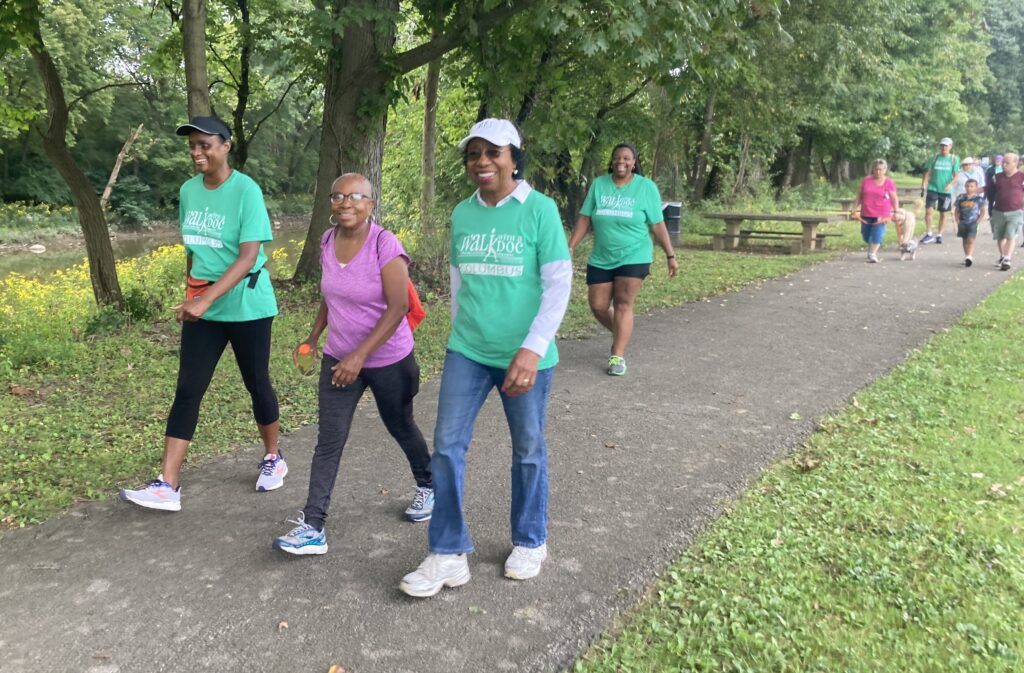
(636, 157)
(970, 181)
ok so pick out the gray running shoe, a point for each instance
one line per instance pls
(616, 366)
(303, 539)
(422, 506)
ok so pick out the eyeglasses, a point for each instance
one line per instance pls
(491, 153)
(354, 197)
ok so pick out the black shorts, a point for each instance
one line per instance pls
(596, 276)
(942, 202)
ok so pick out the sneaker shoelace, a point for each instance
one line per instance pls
(267, 466)
(420, 498)
(300, 524)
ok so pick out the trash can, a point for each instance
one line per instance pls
(672, 211)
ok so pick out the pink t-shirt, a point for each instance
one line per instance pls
(876, 200)
(355, 297)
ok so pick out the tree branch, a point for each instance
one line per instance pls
(97, 90)
(409, 60)
(280, 101)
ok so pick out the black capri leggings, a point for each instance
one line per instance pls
(202, 344)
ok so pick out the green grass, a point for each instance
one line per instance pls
(891, 541)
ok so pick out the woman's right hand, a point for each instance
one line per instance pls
(311, 342)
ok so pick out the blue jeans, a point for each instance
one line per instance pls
(465, 385)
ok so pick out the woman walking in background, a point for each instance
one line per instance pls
(873, 206)
(623, 208)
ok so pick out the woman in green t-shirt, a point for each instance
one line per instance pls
(229, 299)
(623, 209)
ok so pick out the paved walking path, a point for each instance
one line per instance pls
(639, 466)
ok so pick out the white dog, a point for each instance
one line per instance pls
(905, 222)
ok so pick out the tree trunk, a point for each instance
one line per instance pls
(240, 142)
(805, 161)
(741, 172)
(132, 137)
(351, 142)
(787, 176)
(193, 32)
(700, 173)
(429, 163)
(361, 63)
(102, 269)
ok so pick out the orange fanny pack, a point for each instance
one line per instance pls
(194, 287)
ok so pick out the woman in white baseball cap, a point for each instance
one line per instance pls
(511, 275)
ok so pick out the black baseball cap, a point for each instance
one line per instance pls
(209, 125)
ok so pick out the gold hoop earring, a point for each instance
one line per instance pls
(330, 218)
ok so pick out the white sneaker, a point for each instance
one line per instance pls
(524, 563)
(872, 258)
(273, 470)
(436, 571)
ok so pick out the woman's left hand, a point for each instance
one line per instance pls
(521, 373)
(673, 267)
(347, 370)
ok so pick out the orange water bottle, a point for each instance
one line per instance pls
(305, 359)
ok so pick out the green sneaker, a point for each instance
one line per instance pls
(616, 366)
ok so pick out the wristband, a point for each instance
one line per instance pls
(670, 256)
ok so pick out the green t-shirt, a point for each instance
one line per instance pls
(214, 222)
(943, 168)
(621, 218)
(499, 253)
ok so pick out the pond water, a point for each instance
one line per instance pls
(60, 255)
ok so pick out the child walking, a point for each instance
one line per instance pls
(970, 207)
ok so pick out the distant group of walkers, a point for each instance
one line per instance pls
(972, 190)
(511, 275)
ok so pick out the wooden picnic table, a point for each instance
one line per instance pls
(809, 222)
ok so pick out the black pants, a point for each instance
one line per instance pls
(202, 344)
(393, 388)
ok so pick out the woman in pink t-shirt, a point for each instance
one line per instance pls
(873, 206)
(364, 284)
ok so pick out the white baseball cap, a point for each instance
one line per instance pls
(946, 141)
(498, 132)
(968, 160)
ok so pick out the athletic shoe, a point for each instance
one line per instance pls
(436, 571)
(272, 472)
(524, 563)
(927, 238)
(999, 262)
(872, 258)
(968, 261)
(303, 539)
(157, 494)
(1005, 266)
(422, 506)
(938, 239)
(616, 366)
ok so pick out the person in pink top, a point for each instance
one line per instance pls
(873, 206)
(364, 283)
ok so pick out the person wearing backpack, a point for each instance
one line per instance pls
(937, 188)
(365, 306)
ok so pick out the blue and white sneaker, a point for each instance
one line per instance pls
(303, 539)
(157, 494)
(422, 506)
(927, 238)
(272, 472)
